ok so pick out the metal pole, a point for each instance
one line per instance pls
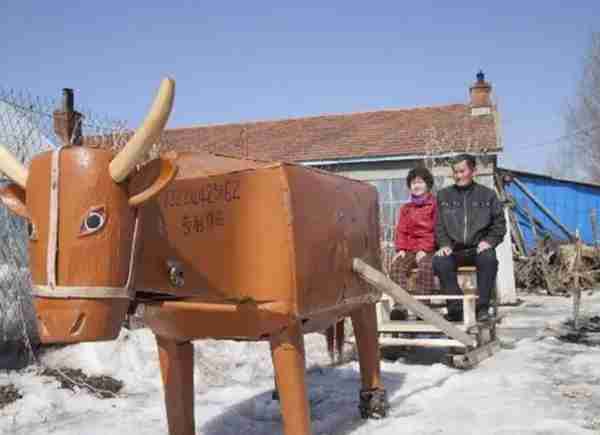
(68, 102)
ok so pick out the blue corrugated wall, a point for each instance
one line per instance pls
(570, 202)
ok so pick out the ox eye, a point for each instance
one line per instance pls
(31, 231)
(93, 222)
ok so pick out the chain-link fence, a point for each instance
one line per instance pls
(26, 129)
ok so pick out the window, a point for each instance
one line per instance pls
(393, 193)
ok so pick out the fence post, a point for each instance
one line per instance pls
(67, 121)
(594, 224)
(576, 283)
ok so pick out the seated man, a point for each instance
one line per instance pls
(469, 226)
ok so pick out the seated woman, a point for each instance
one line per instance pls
(415, 239)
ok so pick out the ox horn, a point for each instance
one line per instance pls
(13, 168)
(146, 134)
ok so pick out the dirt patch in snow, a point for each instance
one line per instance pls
(103, 387)
(8, 395)
(588, 333)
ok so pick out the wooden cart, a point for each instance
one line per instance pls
(469, 342)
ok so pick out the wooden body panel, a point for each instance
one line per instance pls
(191, 318)
(261, 233)
(229, 232)
(335, 219)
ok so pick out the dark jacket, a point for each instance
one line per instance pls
(416, 223)
(468, 215)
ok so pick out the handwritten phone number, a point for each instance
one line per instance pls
(210, 193)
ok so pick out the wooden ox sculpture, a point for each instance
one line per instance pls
(212, 246)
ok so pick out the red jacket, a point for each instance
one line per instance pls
(416, 224)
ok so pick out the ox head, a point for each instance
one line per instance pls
(82, 219)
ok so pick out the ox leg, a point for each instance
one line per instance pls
(330, 337)
(373, 399)
(287, 351)
(335, 341)
(177, 370)
(340, 337)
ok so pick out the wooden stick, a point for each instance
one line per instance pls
(531, 222)
(509, 202)
(443, 297)
(541, 206)
(577, 288)
(389, 287)
(474, 357)
(594, 225)
(517, 233)
(515, 223)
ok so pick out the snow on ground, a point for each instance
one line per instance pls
(536, 385)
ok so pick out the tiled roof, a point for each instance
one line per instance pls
(379, 133)
(383, 133)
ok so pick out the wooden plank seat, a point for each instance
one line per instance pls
(418, 333)
(467, 280)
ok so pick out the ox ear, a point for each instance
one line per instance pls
(13, 196)
(151, 179)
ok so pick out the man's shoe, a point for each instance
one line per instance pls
(454, 316)
(455, 311)
(483, 314)
(398, 313)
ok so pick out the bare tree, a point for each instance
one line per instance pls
(583, 117)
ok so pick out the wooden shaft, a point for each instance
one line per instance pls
(541, 206)
(577, 288)
(389, 287)
(531, 222)
(444, 297)
(287, 351)
(339, 339)
(177, 370)
(330, 338)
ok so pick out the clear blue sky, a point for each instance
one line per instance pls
(245, 60)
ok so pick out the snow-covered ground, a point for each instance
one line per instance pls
(536, 385)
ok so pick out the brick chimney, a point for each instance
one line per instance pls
(480, 92)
